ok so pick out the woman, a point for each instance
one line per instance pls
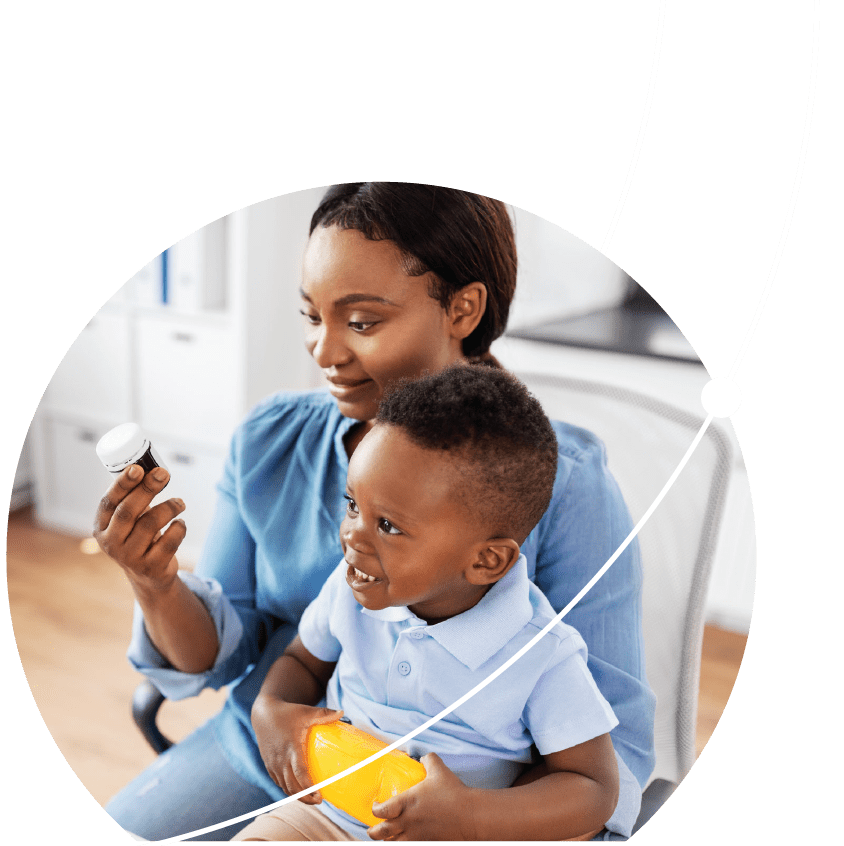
(397, 279)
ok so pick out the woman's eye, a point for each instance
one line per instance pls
(311, 318)
(351, 505)
(361, 325)
(387, 527)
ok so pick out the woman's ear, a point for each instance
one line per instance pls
(494, 559)
(466, 309)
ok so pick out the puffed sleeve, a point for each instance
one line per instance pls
(584, 525)
(225, 582)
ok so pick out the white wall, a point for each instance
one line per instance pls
(559, 275)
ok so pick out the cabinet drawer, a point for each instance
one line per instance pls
(194, 474)
(187, 381)
(94, 377)
(74, 480)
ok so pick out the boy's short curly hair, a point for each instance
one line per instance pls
(495, 430)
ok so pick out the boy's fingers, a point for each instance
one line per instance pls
(387, 830)
(326, 715)
(390, 809)
(303, 778)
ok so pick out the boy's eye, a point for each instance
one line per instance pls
(311, 318)
(387, 527)
(351, 505)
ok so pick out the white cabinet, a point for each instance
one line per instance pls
(93, 379)
(196, 269)
(70, 484)
(187, 377)
(194, 472)
(187, 370)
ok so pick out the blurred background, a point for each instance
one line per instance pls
(185, 348)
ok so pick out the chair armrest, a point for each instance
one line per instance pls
(146, 701)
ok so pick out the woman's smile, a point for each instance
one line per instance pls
(346, 389)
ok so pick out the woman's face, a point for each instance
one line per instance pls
(367, 322)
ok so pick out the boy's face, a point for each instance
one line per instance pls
(406, 538)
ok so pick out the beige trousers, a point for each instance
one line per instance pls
(293, 821)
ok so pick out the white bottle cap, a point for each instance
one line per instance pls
(122, 445)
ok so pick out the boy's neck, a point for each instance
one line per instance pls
(432, 621)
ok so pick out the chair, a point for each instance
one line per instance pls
(645, 440)
(146, 701)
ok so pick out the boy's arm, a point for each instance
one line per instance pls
(283, 713)
(571, 801)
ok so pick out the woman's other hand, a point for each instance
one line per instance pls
(130, 532)
(281, 729)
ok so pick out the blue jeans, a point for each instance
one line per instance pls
(190, 786)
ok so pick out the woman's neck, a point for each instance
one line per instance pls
(355, 435)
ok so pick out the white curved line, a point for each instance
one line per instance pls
(642, 129)
(804, 146)
(494, 675)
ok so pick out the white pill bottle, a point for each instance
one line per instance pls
(127, 444)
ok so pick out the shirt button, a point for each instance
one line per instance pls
(404, 668)
(417, 635)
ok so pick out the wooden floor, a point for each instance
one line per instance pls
(72, 615)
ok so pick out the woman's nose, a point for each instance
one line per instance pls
(327, 348)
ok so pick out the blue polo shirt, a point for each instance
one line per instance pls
(275, 539)
(394, 672)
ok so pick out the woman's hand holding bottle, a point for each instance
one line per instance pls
(129, 531)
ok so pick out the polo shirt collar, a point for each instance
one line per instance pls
(474, 636)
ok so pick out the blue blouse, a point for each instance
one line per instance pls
(274, 541)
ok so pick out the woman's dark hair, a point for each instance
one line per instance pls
(458, 236)
(493, 428)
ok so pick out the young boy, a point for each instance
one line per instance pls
(431, 597)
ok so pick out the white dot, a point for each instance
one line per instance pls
(721, 397)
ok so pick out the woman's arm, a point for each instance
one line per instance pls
(130, 532)
(584, 525)
(573, 799)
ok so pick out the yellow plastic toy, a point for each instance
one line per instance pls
(337, 746)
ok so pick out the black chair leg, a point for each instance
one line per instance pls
(146, 701)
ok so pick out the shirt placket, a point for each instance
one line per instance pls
(405, 667)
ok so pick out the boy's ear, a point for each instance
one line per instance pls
(494, 559)
(466, 309)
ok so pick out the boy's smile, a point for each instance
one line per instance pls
(407, 538)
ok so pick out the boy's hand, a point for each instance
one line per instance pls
(438, 808)
(281, 729)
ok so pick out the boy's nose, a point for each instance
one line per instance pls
(354, 536)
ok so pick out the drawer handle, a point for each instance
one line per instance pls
(182, 458)
(185, 337)
(86, 436)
